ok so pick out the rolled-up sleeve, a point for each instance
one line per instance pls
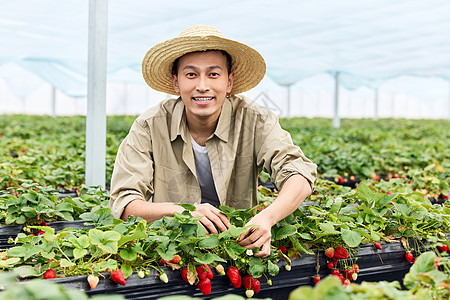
(133, 169)
(278, 155)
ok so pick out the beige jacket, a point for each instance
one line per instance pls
(155, 162)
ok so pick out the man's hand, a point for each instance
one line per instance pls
(212, 217)
(258, 236)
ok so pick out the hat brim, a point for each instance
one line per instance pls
(248, 65)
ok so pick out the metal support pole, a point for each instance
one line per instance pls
(336, 120)
(53, 101)
(376, 105)
(96, 106)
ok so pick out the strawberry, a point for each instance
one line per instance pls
(163, 277)
(176, 259)
(204, 271)
(118, 277)
(316, 279)
(409, 256)
(247, 281)
(233, 275)
(256, 285)
(40, 232)
(341, 253)
(342, 278)
(162, 262)
(354, 276)
(389, 193)
(49, 274)
(334, 260)
(329, 252)
(220, 270)
(330, 265)
(437, 262)
(377, 178)
(445, 196)
(396, 175)
(238, 282)
(335, 272)
(378, 246)
(184, 274)
(249, 293)
(346, 282)
(352, 178)
(282, 249)
(269, 282)
(93, 281)
(443, 248)
(340, 179)
(355, 268)
(205, 286)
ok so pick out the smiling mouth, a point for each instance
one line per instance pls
(203, 100)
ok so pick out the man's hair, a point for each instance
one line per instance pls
(177, 61)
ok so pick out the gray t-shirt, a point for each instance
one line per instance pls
(204, 174)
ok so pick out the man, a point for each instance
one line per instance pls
(207, 146)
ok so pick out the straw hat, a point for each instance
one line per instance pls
(247, 64)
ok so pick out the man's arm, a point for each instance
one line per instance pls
(295, 190)
(211, 216)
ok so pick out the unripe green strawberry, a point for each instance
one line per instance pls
(147, 272)
(287, 267)
(164, 278)
(355, 276)
(269, 281)
(220, 269)
(140, 274)
(249, 293)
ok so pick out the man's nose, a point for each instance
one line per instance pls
(202, 84)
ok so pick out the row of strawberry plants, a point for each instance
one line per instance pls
(343, 222)
(50, 151)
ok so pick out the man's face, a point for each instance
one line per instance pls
(203, 83)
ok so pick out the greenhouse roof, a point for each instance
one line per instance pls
(367, 42)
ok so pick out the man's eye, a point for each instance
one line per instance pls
(190, 74)
(214, 74)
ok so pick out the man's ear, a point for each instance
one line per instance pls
(230, 82)
(175, 83)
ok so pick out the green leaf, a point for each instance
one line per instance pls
(236, 231)
(10, 262)
(257, 267)
(188, 207)
(208, 258)
(65, 263)
(26, 272)
(272, 268)
(106, 241)
(18, 251)
(386, 199)
(284, 232)
(366, 194)
(127, 270)
(79, 253)
(208, 242)
(128, 254)
(351, 238)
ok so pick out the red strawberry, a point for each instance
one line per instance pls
(389, 193)
(443, 248)
(445, 196)
(316, 279)
(40, 232)
(396, 175)
(330, 265)
(352, 178)
(355, 268)
(377, 178)
(118, 277)
(247, 281)
(437, 262)
(176, 259)
(282, 249)
(238, 283)
(340, 179)
(205, 286)
(346, 282)
(329, 252)
(341, 253)
(256, 285)
(335, 272)
(334, 260)
(162, 262)
(409, 256)
(378, 246)
(93, 281)
(184, 274)
(204, 271)
(233, 275)
(49, 274)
